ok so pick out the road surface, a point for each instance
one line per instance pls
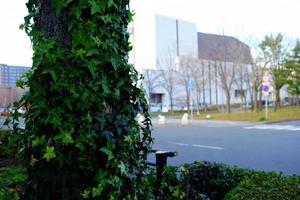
(269, 147)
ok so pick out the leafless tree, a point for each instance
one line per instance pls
(168, 78)
(227, 70)
(184, 72)
(151, 81)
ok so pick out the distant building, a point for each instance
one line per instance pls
(155, 38)
(158, 41)
(215, 51)
(10, 74)
(8, 78)
(222, 48)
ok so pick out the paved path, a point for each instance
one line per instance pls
(208, 123)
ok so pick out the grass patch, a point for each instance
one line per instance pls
(282, 114)
(176, 114)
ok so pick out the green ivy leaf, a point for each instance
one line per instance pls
(49, 153)
(92, 65)
(97, 7)
(38, 141)
(52, 73)
(86, 194)
(80, 53)
(122, 168)
(65, 137)
(108, 152)
(111, 3)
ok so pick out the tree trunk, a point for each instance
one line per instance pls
(228, 99)
(187, 98)
(260, 99)
(254, 102)
(79, 88)
(216, 83)
(277, 98)
(51, 24)
(171, 100)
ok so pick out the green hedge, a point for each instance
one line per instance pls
(266, 186)
(206, 180)
(210, 179)
(200, 180)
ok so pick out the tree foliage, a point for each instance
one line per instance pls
(81, 138)
(292, 65)
(274, 54)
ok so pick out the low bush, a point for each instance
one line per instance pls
(266, 186)
(213, 181)
(7, 148)
(210, 179)
(196, 181)
(11, 182)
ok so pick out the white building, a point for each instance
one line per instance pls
(162, 44)
(158, 42)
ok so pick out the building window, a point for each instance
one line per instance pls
(156, 98)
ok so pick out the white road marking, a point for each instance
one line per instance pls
(178, 143)
(274, 127)
(207, 147)
(197, 145)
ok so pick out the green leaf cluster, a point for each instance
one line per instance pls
(81, 138)
(292, 66)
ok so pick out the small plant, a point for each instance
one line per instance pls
(262, 119)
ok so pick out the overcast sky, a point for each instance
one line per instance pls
(239, 18)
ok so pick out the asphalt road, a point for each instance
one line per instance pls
(269, 147)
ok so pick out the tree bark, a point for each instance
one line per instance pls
(277, 98)
(228, 98)
(51, 24)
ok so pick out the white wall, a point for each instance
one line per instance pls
(143, 40)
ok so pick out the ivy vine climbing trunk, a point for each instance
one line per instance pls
(81, 139)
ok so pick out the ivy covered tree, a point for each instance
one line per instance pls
(81, 138)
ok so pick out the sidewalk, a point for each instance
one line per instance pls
(206, 123)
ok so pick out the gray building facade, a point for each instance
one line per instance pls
(10, 74)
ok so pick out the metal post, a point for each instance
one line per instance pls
(161, 163)
(191, 105)
(266, 104)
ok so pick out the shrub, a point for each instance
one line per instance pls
(206, 180)
(11, 182)
(8, 149)
(210, 179)
(266, 186)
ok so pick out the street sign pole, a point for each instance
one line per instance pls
(266, 90)
(191, 106)
(190, 86)
(266, 104)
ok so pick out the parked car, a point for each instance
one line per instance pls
(155, 108)
(158, 108)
